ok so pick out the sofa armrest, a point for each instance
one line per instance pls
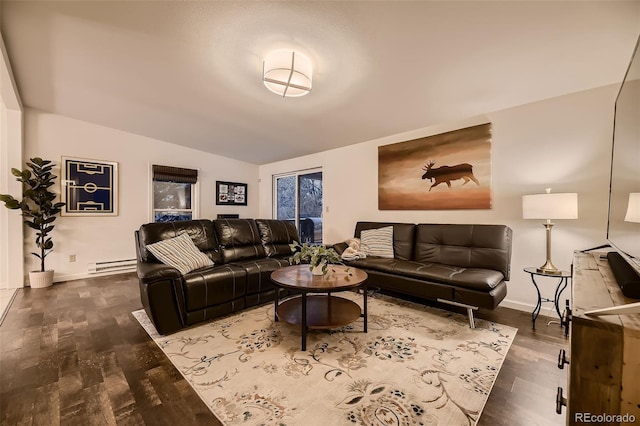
(161, 296)
(149, 272)
(160, 292)
(160, 302)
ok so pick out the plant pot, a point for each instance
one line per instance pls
(317, 270)
(39, 279)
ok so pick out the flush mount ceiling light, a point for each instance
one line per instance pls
(287, 73)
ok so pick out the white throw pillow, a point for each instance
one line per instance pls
(377, 242)
(181, 253)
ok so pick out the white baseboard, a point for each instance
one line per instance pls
(6, 286)
(517, 305)
(70, 277)
(548, 309)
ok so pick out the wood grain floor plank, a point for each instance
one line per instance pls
(46, 409)
(74, 355)
(98, 406)
(117, 386)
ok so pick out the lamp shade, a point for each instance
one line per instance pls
(633, 209)
(287, 73)
(550, 206)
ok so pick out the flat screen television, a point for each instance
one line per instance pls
(623, 232)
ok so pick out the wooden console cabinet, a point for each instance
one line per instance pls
(604, 353)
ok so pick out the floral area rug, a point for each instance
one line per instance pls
(416, 365)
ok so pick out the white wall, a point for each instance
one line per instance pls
(11, 229)
(563, 143)
(96, 239)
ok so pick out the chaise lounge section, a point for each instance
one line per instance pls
(462, 265)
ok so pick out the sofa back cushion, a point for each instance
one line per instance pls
(467, 246)
(403, 236)
(239, 239)
(276, 235)
(201, 233)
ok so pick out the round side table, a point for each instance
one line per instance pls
(563, 281)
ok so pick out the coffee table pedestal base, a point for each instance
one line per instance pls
(319, 312)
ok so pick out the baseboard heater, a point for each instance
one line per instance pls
(112, 265)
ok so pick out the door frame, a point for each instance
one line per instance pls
(296, 174)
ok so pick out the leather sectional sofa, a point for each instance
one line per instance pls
(244, 253)
(463, 265)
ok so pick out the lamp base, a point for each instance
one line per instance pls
(548, 268)
(547, 271)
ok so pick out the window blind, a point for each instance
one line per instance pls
(174, 174)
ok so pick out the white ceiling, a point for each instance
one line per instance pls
(189, 73)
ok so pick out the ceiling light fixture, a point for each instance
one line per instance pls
(287, 73)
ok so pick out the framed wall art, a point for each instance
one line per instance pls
(448, 171)
(89, 187)
(231, 193)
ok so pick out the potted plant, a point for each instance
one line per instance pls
(318, 257)
(39, 211)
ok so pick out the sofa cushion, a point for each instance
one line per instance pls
(377, 242)
(276, 235)
(407, 286)
(213, 286)
(403, 236)
(181, 253)
(473, 278)
(201, 233)
(467, 246)
(239, 239)
(259, 272)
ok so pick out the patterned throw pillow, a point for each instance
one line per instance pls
(377, 242)
(181, 253)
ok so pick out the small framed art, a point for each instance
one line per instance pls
(231, 193)
(89, 187)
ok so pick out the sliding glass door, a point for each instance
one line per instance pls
(298, 198)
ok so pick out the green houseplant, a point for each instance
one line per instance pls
(318, 257)
(38, 209)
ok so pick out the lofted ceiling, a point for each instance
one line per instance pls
(189, 72)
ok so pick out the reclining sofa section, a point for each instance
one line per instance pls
(462, 265)
(244, 253)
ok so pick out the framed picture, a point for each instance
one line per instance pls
(231, 193)
(89, 187)
(448, 171)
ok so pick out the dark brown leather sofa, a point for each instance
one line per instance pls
(244, 252)
(463, 265)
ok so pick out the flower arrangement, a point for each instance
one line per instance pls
(315, 255)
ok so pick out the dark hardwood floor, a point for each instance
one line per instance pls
(74, 354)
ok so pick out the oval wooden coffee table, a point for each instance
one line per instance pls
(319, 311)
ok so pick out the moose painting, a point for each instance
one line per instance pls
(446, 174)
(432, 173)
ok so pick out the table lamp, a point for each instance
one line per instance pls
(633, 209)
(550, 206)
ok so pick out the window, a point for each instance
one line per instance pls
(298, 198)
(174, 193)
